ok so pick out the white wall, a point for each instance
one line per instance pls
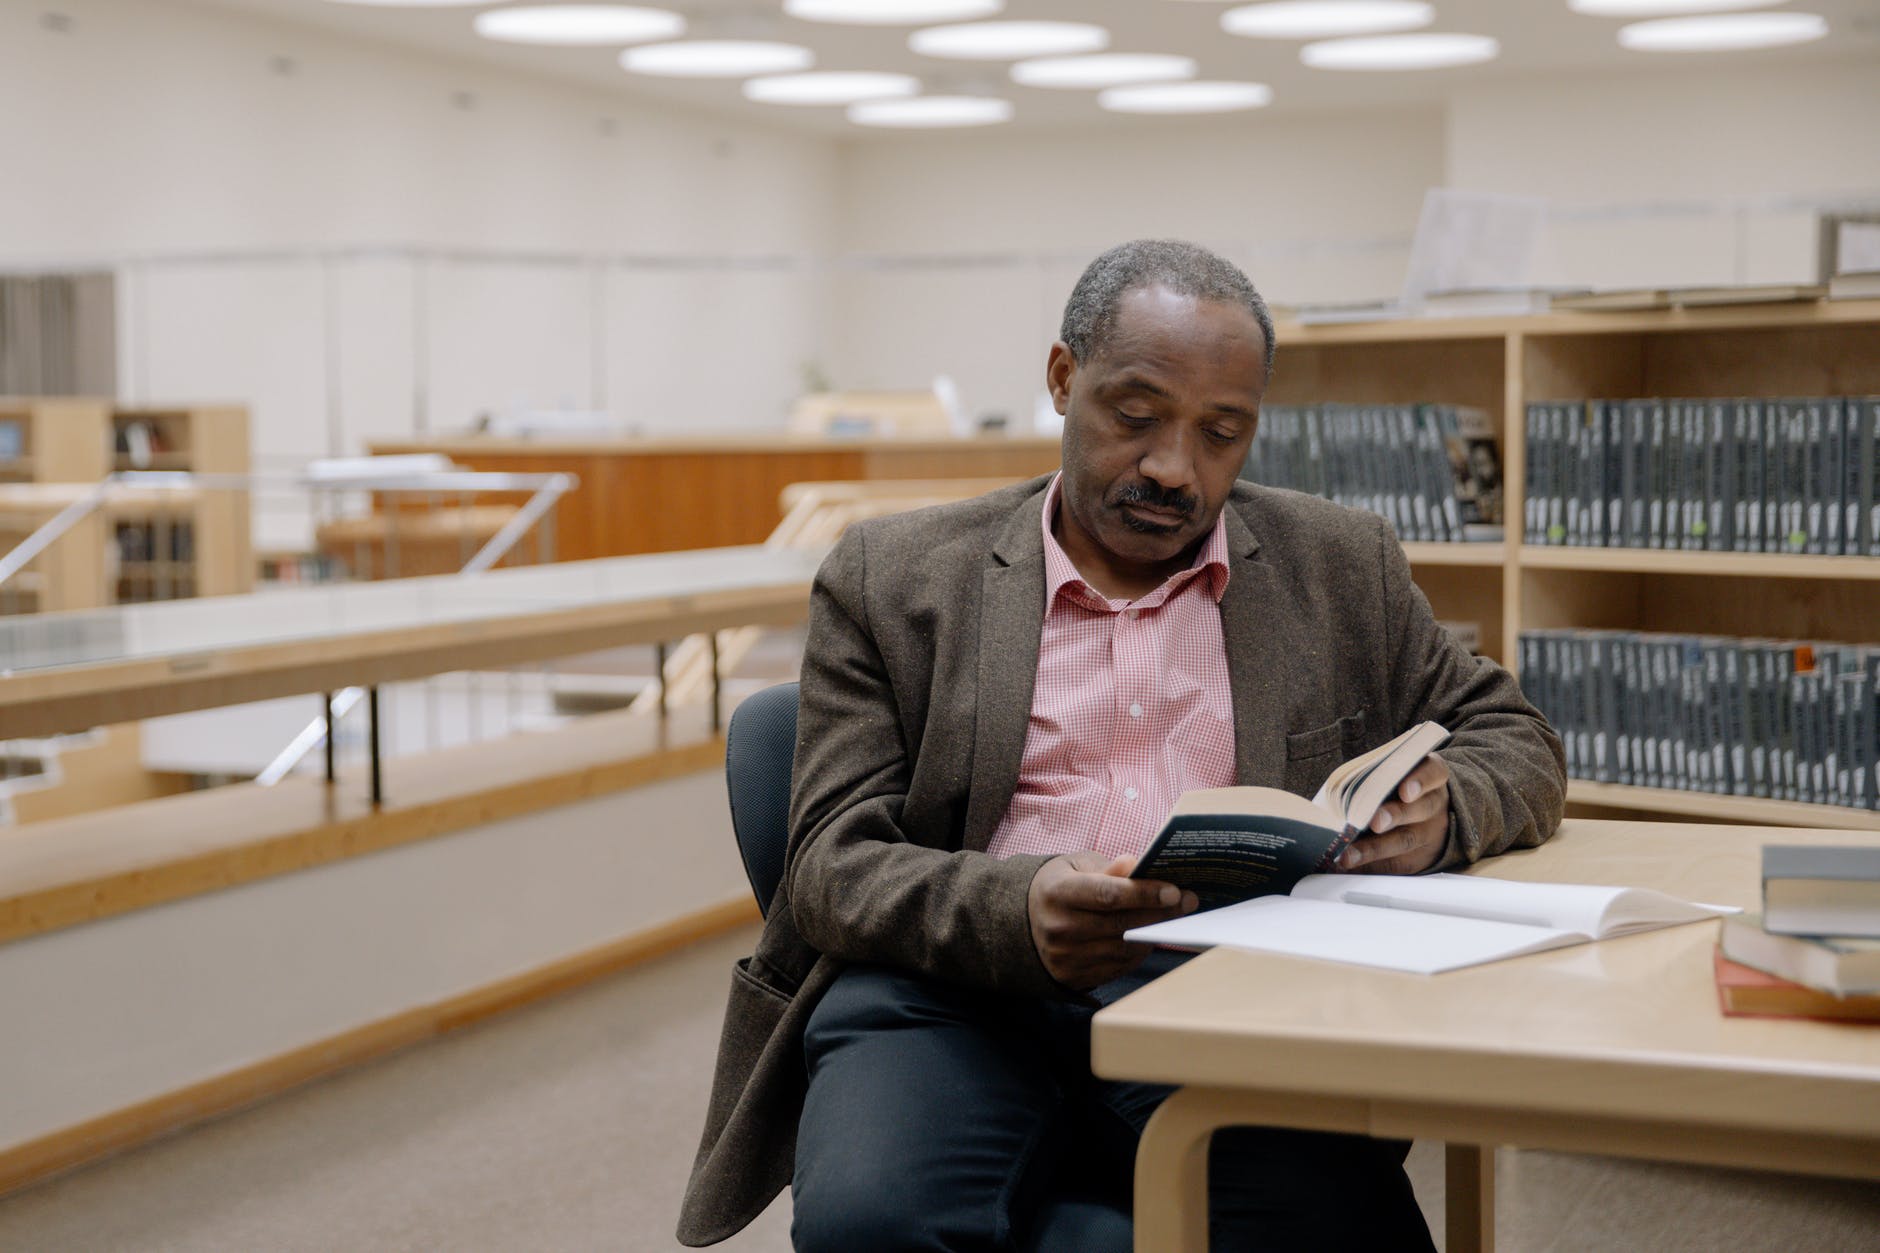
(1316, 208)
(1674, 175)
(1718, 165)
(352, 253)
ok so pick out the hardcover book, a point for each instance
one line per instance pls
(1837, 965)
(1746, 992)
(1227, 844)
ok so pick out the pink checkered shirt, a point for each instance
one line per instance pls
(1131, 708)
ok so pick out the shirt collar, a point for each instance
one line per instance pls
(1059, 572)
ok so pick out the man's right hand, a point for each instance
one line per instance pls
(1081, 903)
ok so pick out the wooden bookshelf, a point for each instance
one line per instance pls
(1503, 364)
(207, 548)
(47, 441)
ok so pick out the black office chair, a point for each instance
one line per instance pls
(760, 744)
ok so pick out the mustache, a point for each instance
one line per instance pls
(1153, 496)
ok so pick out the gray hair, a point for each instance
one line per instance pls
(1189, 269)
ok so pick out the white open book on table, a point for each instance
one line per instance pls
(1425, 924)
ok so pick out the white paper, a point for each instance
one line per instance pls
(1392, 939)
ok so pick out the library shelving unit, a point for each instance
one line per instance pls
(202, 546)
(44, 441)
(1821, 348)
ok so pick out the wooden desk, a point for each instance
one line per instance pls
(70, 671)
(1616, 1047)
(665, 495)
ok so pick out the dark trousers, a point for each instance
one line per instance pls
(943, 1118)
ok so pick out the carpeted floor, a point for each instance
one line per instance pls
(570, 1127)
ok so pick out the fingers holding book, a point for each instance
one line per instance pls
(1408, 833)
(1080, 905)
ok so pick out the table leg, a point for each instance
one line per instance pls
(1469, 1201)
(1172, 1174)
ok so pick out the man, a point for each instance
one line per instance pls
(1000, 701)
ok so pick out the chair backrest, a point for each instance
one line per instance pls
(759, 746)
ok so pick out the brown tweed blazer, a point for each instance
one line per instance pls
(917, 684)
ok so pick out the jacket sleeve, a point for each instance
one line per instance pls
(1507, 772)
(859, 888)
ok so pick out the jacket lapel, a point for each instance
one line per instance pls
(1011, 620)
(1256, 658)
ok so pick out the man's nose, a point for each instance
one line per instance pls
(1170, 460)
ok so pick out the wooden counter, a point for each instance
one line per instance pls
(666, 495)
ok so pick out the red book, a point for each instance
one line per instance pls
(1745, 992)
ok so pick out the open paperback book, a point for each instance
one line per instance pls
(1227, 844)
(1426, 924)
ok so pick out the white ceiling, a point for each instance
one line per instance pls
(1537, 37)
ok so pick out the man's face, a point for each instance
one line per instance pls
(1156, 429)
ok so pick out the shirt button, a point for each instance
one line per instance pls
(1135, 710)
(1129, 793)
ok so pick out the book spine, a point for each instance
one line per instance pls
(1632, 471)
(1691, 536)
(1870, 474)
(1558, 462)
(1795, 487)
(1674, 471)
(1612, 484)
(1815, 482)
(1755, 722)
(1736, 719)
(1834, 479)
(1716, 763)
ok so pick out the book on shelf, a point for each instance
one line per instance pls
(1484, 302)
(1747, 294)
(1228, 844)
(1783, 474)
(1425, 924)
(1770, 719)
(1433, 471)
(1837, 965)
(1746, 992)
(1614, 300)
(1855, 285)
(1814, 889)
(1333, 312)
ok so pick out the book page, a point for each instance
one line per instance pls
(1595, 912)
(1390, 939)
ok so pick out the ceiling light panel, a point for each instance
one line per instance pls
(1662, 8)
(932, 112)
(829, 87)
(1203, 97)
(716, 58)
(1008, 41)
(579, 24)
(1423, 51)
(1723, 32)
(1103, 69)
(1326, 19)
(891, 12)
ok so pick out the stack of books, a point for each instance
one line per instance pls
(1814, 951)
(1788, 475)
(1772, 719)
(1433, 471)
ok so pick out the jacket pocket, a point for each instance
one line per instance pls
(1330, 738)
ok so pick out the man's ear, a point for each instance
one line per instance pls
(1059, 367)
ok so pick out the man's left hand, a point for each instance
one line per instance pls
(1409, 832)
